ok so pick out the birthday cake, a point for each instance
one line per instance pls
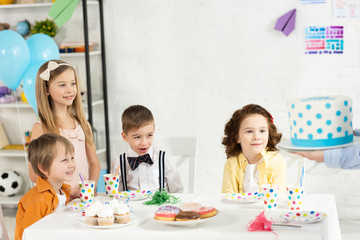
(321, 121)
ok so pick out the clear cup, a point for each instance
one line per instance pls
(270, 197)
(295, 195)
(111, 184)
(87, 191)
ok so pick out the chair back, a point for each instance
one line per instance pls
(183, 151)
(294, 166)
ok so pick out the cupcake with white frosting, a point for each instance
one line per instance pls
(105, 216)
(91, 213)
(113, 203)
(122, 213)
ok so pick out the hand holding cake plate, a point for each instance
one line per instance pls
(288, 146)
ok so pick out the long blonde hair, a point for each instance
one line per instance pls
(50, 123)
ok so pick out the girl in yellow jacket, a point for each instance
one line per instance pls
(253, 160)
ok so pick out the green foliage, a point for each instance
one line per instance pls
(160, 197)
(47, 26)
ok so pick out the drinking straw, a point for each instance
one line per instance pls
(302, 176)
(82, 180)
(117, 171)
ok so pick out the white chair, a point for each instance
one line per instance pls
(3, 232)
(181, 149)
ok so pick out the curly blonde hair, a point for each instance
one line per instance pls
(231, 131)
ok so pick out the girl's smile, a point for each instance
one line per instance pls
(253, 136)
(63, 89)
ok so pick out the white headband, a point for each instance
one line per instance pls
(45, 75)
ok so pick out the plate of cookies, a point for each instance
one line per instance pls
(186, 214)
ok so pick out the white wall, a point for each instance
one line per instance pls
(194, 62)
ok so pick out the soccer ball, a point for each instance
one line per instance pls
(10, 182)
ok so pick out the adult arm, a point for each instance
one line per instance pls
(346, 158)
(312, 155)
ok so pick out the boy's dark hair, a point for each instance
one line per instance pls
(135, 117)
(231, 131)
(43, 150)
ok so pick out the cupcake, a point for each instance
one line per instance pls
(91, 213)
(113, 203)
(105, 216)
(122, 213)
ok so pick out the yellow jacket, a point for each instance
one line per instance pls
(271, 167)
(38, 202)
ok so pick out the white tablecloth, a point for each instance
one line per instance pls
(229, 223)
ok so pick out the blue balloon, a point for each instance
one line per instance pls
(29, 83)
(42, 48)
(14, 58)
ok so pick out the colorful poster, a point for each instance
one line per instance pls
(311, 1)
(346, 8)
(324, 40)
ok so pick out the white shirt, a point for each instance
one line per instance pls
(146, 176)
(251, 178)
(62, 200)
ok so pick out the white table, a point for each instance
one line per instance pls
(230, 223)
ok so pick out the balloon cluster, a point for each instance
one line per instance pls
(21, 59)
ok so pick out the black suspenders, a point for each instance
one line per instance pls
(123, 171)
(161, 170)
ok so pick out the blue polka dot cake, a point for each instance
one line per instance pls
(321, 121)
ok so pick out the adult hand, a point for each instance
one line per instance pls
(312, 155)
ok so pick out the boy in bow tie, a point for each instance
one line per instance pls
(142, 167)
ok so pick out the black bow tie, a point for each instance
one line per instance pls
(134, 162)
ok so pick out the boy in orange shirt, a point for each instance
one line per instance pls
(52, 158)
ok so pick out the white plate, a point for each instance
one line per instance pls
(287, 145)
(247, 197)
(134, 195)
(181, 223)
(115, 225)
(304, 216)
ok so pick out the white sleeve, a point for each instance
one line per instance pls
(172, 176)
(115, 164)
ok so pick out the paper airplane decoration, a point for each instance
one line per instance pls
(286, 23)
(62, 11)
